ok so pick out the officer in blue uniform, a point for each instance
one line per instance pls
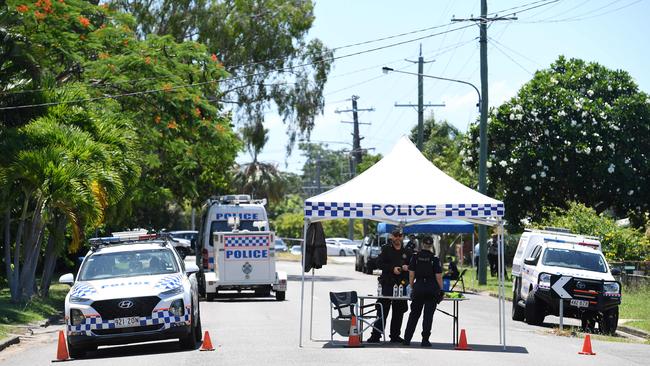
(425, 278)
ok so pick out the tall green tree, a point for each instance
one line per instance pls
(262, 43)
(442, 146)
(577, 131)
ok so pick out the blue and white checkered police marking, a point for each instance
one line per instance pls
(163, 317)
(81, 289)
(169, 282)
(247, 241)
(343, 210)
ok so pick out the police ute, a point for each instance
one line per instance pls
(589, 291)
(131, 289)
(236, 250)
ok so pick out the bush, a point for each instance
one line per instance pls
(619, 243)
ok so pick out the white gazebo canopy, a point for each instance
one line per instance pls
(403, 188)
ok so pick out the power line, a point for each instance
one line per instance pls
(586, 16)
(515, 52)
(510, 58)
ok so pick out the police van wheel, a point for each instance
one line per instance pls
(209, 296)
(280, 295)
(534, 310)
(518, 313)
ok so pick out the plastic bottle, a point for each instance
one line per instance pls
(395, 289)
(401, 291)
(408, 290)
(379, 290)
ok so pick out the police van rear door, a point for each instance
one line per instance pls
(245, 257)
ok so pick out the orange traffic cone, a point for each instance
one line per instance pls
(62, 349)
(354, 340)
(207, 343)
(462, 343)
(586, 347)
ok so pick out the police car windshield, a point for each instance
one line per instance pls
(128, 264)
(574, 259)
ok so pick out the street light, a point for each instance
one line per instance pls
(386, 70)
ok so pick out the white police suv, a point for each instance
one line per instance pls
(131, 290)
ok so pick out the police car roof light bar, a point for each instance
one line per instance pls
(97, 243)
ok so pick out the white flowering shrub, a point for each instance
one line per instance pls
(576, 131)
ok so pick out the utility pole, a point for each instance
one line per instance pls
(420, 106)
(357, 153)
(483, 21)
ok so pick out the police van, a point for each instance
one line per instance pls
(236, 249)
(542, 254)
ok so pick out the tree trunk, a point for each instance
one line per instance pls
(32, 251)
(7, 244)
(15, 278)
(52, 253)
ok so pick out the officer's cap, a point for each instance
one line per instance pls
(396, 231)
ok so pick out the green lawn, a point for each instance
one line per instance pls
(635, 305)
(37, 309)
(491, 286)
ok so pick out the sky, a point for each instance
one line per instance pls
(614, 33)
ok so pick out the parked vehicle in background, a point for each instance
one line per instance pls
(191, 235)
(595, 293)
(296, 249)
(236, 249)
(366, 260)
(131, 289)
(340, 246)
(280, 246)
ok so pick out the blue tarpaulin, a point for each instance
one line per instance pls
(431, 227)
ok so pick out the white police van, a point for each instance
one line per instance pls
(541, 254)
(130, 290)
(236, 249)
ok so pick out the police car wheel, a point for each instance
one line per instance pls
(342, 253)
(198, 332)
(188, 341)
(78, 352)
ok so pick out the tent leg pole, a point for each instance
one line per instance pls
(311, 312)
(302, 284)
(473, 254)
(503, 275)
(499, 265)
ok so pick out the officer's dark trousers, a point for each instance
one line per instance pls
(416, 309)
(399, 308)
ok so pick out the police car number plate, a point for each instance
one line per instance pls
(579, 303)
(127, 322)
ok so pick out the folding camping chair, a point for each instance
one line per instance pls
(459, 279)
(347, 304)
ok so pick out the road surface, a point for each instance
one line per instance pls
(256, 331)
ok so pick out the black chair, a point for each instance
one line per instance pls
(460, 279)
(346, 305)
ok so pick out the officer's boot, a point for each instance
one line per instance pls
(425, 342)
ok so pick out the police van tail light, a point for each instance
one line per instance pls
(206, 260)
(544, 281)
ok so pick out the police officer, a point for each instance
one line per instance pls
(425, 278)
(393, 262)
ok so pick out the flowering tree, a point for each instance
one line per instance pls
(577, 131)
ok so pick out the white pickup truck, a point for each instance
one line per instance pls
(542, 254)
(236, 249)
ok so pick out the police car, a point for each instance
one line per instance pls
(131, 290)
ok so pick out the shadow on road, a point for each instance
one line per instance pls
(137, 350)
(434, 346)
(297, 278)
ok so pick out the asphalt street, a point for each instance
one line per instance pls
(248, 331)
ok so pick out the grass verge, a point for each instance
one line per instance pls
(288, 257)
(37, 309)
(492, 285)
(635, 305)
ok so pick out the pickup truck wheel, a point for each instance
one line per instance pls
(280, 295)
(609, 322)
(357, 267)
(342, 253)
(209, 296)
(534, 311)
(367, 269)
(518, 313)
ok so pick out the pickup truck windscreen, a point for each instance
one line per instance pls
(574, 259)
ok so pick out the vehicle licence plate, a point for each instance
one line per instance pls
(133, 321)
(579, 303)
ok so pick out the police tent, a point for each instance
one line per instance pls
(428, 195)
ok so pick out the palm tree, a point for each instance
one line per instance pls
(258, 178)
